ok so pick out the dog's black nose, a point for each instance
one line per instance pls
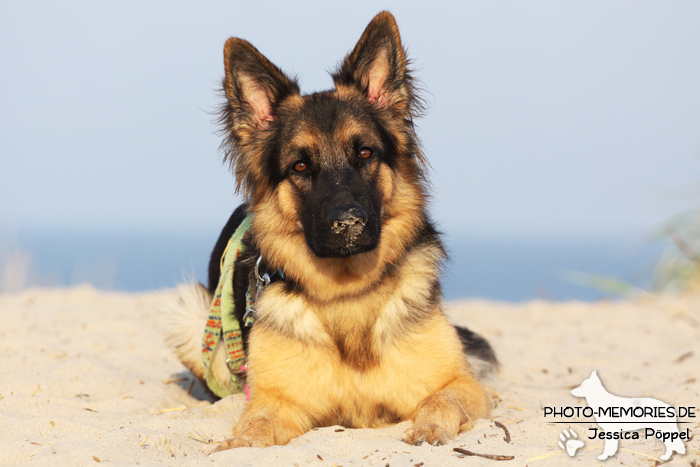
(343, 217)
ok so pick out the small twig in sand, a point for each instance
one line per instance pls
(142, 442)
(189, 391)
(97, 459)
(493, 457)
(503, 427)
(198, 439)
(203, 434)
(516, 408)
(173, 409)
(35, 390)
(201, 437)
(683, 357)
(660, 462)
(176, 380)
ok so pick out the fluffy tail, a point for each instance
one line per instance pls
(183, 322)
(479, 352)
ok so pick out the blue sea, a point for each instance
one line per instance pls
(502, 269)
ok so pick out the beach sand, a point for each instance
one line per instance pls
(85, 379)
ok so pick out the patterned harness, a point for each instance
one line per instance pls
(222, 320)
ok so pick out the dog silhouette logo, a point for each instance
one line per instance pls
(622, 418)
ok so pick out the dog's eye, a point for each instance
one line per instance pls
(365, 153)
(300, 167)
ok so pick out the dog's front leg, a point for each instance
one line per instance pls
(267, 421)
(440, 416)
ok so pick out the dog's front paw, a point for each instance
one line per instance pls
(243, 442)
(256, 433)
(426, 433)
(232, 443)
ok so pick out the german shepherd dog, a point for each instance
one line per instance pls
(350, 330)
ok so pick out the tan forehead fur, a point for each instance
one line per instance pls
(307, 135)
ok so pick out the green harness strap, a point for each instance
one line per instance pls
(222, 319)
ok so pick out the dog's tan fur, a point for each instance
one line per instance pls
(362, 340)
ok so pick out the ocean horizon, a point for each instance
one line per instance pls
(506, 269)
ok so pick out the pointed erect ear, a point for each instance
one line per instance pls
(253, 85)
(377, 66)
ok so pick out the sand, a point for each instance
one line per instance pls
(85, 378)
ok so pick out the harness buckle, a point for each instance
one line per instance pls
(262, 281)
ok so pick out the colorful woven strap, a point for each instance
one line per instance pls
(222, 319)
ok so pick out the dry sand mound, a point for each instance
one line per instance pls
(85, 378)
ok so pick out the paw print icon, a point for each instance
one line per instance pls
(569, 441)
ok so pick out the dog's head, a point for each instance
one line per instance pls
(332, 175)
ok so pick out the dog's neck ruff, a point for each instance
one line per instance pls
(222, 320)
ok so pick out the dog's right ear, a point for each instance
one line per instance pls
(254, 87)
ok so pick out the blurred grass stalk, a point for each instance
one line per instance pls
(18, 270)
(14, 266)
(609, 285)
(678, 269)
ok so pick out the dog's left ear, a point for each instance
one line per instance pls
(377, 67)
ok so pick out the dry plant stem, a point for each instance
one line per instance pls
(505, 430)
(493, 457)
(682, 245)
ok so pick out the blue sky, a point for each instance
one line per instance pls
(546, 120)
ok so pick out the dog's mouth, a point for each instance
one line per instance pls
(345, 251)
(350, 241)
